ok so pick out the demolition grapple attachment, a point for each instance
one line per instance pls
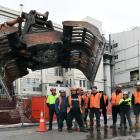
(36, 44)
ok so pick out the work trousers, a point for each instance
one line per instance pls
(62, 117)
(97, 113)
(104, 112)
(74, 114)
(86, 115)
(125, 114)
(115, 112)
(52, 111)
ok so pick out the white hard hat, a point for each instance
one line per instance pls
(138, 83)
(62, 91)
(125, 92)
(119, 86)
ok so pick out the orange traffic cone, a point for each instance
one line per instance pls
(42, 124)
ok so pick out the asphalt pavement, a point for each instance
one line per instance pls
(30, 133)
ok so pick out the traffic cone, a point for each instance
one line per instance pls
(42, 123)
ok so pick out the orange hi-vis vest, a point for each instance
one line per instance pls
(95, 100)
(86, 100)
(70, 103)
(137, 97)
(115, 99)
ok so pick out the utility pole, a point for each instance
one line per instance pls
(138, 59)
(21, 7)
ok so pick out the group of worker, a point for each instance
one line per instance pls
(79, 104)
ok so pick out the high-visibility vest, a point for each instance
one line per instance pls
(70, 103)
(51, 99)
(95, 100)
(115, 99)
(137, 97)
(127, 101)
(86, 100)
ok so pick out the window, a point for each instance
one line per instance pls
(116, 57)
(70, 82)
(34, 80)
(28, 80)
(115, 45)
(66, 82)
(36, 89)
(84, 83)
(134, 75)
(53, 85)
(80, 83)
(88, 85)
(58, 71)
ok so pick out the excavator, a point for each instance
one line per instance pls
(32, 42)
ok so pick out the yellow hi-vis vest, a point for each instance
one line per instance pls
(51, 99)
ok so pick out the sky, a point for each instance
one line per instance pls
(115, 15)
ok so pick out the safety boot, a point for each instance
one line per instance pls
(113, 126)
(105, 126)
(60, 129)
(86, 124)
(82, 129)
(98, 128)
(69, 130)
(136, 126)
(91, 124)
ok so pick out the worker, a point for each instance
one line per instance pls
(86, 100)
(51, 105)
(136, 103)
(125, 112)
(104, 109)
(79, 92)
(95, 104)
(61, 108)
(74, 110)
(115, 99)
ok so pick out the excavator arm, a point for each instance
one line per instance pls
(35, 44)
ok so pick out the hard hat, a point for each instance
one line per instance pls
(62, 91)
(52, 89)
(94, 87)
(125, 92)
(80, 88)
(138, 83)
(119, 86)
(72, 88)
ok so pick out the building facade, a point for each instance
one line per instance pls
(125, 47)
